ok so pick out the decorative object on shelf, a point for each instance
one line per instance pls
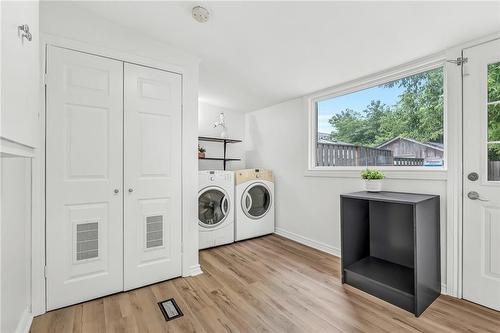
(373, 180)
(201, 152)
(225, 142)
(222, 124)
(25, 29)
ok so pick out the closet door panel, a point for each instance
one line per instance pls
(84, 167)
(152, 173)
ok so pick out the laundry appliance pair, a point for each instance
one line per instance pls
(234, 205)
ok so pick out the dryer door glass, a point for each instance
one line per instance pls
(213, 206)
(256, 201)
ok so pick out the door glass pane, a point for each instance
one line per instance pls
(210, 207)
(494, 122)
(494, 162)
(494, 82)
(261, 200)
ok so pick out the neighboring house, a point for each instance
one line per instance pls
(326, 138)
(431, 152)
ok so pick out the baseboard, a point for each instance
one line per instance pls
(195, 270)
(308, 242)
(24, 324)
(444, 289)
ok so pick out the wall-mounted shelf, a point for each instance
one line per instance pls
(220, 159)
(225, 141)
(214, 139)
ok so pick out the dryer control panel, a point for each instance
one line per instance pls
(247, 175)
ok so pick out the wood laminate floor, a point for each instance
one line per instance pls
(268, 284)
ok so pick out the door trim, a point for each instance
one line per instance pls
(189, 245)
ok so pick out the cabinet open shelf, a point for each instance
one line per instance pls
(386, 273)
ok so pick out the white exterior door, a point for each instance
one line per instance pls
(152, 175)
(84, 177)
(481, 230)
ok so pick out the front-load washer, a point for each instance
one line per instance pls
(215, 208)
(254, 203)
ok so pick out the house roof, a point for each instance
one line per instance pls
(433, 145)
(325, 138)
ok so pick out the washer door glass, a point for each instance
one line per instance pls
(256, 201)
(213, 206)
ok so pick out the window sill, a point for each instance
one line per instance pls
(390, 173)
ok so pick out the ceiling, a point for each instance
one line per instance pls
(256, 54)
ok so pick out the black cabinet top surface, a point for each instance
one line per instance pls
(397, 197)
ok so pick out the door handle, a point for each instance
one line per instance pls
(473, 195)
(130, 190)
(116, 191)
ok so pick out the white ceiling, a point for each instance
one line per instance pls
(256, 54)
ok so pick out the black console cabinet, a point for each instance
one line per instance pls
(390, 247)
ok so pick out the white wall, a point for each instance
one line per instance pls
(307, 208)
(15, 244)
(235, 129)
(20, 73)
(65, 23)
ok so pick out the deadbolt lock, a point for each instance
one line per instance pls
(473, 176)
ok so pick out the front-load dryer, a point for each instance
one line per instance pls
(254, 203)
(215, 208)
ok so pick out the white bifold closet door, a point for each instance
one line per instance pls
(84, 167)
(152, 171)
(113, 212)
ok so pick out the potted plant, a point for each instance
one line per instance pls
(201, 152)
(373, 180)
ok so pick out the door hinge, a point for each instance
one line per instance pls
(45, 79)
(459, 61)
(45, 271)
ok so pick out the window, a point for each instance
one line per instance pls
(397, 123)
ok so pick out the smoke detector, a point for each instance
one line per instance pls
(201, 14)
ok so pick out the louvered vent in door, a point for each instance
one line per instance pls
(87, 240)
(154, 231)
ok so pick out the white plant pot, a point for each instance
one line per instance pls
(373, 185)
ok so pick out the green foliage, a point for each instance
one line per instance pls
(494, 152)
(494, 82)
(201, 149)
(371, 174)
(494, 122)
(494, 111)
(417, 115)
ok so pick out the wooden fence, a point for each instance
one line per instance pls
(408, 161)
(494, 170)
(332, 154)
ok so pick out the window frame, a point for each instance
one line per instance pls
(392, 74)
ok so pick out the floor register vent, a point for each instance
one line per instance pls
(170, 309)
